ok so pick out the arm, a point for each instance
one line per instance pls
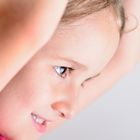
(25, 26)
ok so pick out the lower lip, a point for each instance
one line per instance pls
(40, 128)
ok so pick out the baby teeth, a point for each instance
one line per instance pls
(37, 119)
(34, 116)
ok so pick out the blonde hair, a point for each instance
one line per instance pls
(77, 9)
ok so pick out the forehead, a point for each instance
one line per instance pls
(87, 39)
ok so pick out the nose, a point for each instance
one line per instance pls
(65, 108)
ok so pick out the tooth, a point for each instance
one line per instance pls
(39, 120)
(34, 116)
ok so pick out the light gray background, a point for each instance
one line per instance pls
(114, 116)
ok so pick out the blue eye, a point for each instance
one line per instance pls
(62, 71)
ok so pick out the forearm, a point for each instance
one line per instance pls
(22, 35)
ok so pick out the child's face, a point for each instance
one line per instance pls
(46, 88)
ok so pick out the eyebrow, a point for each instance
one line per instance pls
(80, 65)
(75, 63)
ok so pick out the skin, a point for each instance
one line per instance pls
(25, 26)
(127, 55)
(92, 41)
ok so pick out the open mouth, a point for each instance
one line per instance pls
(39, 122)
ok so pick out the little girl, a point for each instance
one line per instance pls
(56, 58)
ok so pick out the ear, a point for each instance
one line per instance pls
(123, 62)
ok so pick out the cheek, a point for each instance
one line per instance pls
(32, 84)
(24, 91)
(11, 110)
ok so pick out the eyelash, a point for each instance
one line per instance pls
(64, 73)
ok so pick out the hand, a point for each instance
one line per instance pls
(25, 26)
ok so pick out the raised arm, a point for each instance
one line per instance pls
(25, 26)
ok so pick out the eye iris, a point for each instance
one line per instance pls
(61, 70)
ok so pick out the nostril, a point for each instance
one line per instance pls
(63, 110)
(65, 116)
(61, 114)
